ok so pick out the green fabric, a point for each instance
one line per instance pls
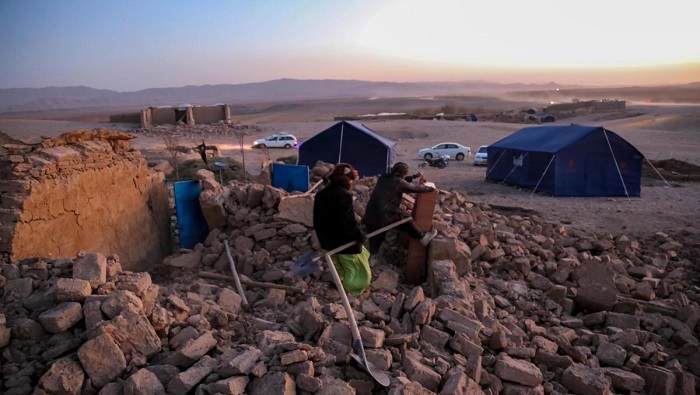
(354, 271)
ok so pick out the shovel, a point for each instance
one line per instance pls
(306, 265)
(378, 375)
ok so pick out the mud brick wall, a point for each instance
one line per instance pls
(87, 191)
(209, 114)
(163, 116)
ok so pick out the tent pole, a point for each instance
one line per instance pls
(512, 170)
(605, 133)
(542, 176)
(662, 177)
(340, 150)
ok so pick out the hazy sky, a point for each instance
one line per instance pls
(128, 45)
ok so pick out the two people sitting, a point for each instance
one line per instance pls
(336, 224)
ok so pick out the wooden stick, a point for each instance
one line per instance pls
(244, 300)
(250, 283)
(312, 188)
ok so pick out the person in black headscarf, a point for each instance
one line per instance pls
(335, 224)
(384, 206)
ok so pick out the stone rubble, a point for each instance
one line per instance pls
(512, 305)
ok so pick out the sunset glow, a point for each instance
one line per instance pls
(133, 45)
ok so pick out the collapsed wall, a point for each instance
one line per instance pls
(83, 190)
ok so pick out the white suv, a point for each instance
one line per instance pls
(277, 140)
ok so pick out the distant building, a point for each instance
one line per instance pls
(186, 113)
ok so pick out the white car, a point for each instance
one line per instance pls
(277, 140)
(453, 150)
(481, 157)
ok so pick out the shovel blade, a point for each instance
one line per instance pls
(378, 375)
(305, 265)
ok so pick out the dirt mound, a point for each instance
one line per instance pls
(672, 170)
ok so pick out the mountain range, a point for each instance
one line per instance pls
(281, 90)
(24, 100)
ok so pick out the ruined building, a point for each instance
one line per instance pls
(83, 190)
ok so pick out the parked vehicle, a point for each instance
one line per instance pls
(453, 150)
(440, 162)
(481, 157)
(277, 140)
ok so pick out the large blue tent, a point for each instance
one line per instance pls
(350, 142)
(567, 161)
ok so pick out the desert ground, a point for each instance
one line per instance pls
(658, 131)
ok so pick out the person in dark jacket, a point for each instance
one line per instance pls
(335, 224)
(384, 206)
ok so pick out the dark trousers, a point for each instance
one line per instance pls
(409, 227)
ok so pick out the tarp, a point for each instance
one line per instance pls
(567, 161)
(351, 142)
(191, 225)
(290, 177)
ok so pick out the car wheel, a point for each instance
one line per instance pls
(460, 156)
(442, 165)
(287, 146)
(262, 146)
(428, 156)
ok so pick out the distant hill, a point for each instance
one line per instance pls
(80, 97)
(25, 100)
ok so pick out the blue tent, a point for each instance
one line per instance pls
(350, 142)
(567, 161)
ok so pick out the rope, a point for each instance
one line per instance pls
(340, 151)
(542, 176)
(494, 165)
(513, 169)
(622, 180)
(662, 177)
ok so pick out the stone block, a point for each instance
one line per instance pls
(230, 386)
(120, 301)
(92, 267)
(610, 354)
(185, 381)
(229, 301)
(137, 283)
(273, 383)
(291, 357)
(582, 380)
(72, 290)
(518, 371)
(134, 334)
(434, 336)
(419, 372)
(241, 364)
(143, 382)
(452, 249)
(624, 380)
(597, 291)
(65, 376)
(192, 351)
(372, 338)
(61, 317)
(102, 360)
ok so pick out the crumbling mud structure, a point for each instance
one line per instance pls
(512, 304)
(83, 190)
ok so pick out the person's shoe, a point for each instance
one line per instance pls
(428, 237)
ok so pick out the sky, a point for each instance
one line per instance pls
(129, 45)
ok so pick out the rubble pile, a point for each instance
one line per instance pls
(512, 305)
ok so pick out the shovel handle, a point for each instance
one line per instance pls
(348, 309)
(369, 235)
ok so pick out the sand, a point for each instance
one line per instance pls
(659, 132)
